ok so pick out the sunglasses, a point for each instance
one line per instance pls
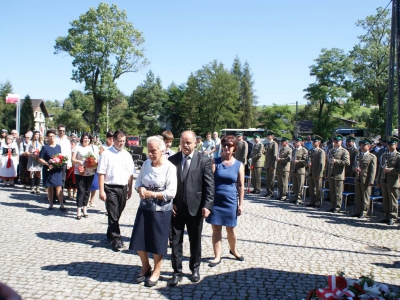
(230, 145)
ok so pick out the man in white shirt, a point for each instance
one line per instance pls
(115, 171)
(217, 141)
(65, 145)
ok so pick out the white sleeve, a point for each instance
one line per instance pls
(171, 183)
(102, 165)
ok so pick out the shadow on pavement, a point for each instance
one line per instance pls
(252, 283)
(93, 239)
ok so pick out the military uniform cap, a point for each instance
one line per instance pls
(269, 132)
(338, 137)
(316, 138)
(350, 138)
(283, 139)
(239, 134)
(299, 138)
(256, 135)
(392, 140)
(366, 141)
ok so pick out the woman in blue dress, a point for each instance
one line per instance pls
(229, 184)
(52, 176)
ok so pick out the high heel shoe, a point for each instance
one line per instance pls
(141, 278)
(150, 283)
(85, 215)
(240, 258)
(78, 217)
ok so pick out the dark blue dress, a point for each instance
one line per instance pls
(51, 177)
(225, 207)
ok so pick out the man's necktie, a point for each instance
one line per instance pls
(185, 168)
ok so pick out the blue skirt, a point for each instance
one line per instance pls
(95, 183)
(150, 231)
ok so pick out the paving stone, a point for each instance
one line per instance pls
(288, 250)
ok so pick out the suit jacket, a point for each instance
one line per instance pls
(342, 159)
(317, 160)
(349, 170)
(256, 154)
(241, 152)
(285, 155)
(271, 153)
(392, 162)
(299, 154)
(367, 164)
(199, 183)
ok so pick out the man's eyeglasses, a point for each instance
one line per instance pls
(61, 130)
(229, 145)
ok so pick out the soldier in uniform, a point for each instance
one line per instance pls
(283, 168)
(338, 159)
(388, 179)
(256, 163)
(298, 170)
(353, 152)
(271, 153)
(316, 167)
(365, 169)
(241, 150)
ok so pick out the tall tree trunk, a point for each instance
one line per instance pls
(98, 107)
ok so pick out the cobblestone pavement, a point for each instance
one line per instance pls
(288, 250)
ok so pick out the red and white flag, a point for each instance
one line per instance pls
(12, 98)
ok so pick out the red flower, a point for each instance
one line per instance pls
(341, 283)
(359, 288)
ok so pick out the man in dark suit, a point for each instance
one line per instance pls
(193, 202)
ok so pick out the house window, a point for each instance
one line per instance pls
(36, 114)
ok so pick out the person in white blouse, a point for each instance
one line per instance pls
(157, 186)
(63, 141)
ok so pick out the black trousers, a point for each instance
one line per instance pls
(83, 185)
(115, 204)
(194, 226)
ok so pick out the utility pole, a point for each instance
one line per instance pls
(389, 108)
(397, 16)
(297, 119)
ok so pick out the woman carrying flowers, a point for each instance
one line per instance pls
(52, 161)
(84, 158)
(34, 166)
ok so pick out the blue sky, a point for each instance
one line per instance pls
(279, 39)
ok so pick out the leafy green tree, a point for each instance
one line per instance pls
(84, 102)
(54, 109)
(7, 110)
(173, 108)
(27, 118)
(147, 102)
(217, 91)
(104, 46)
(248, 98)
(278, 118)
(371, 59)
(72, 119)
(330, 91)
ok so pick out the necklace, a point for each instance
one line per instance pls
(228, 163)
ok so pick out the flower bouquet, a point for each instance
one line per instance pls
(341, 288)
(36, 151)
(90, 161)
(58, 160)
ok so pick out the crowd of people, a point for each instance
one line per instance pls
(202, 181)
(28, 160)
(305, 163)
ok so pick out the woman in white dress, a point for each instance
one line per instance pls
(9, 161)
(34, 166)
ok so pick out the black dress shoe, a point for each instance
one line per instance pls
(266, 195)
(331, 209)
(150, 283)
(176, 278)
(355, 215)
(253, 192)
(213, 264)
(118, 245)
(385, 221)
(195, 276)
(256, 192)
(310, 205)
(390, 222)
(240, 258)
(141, 278)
